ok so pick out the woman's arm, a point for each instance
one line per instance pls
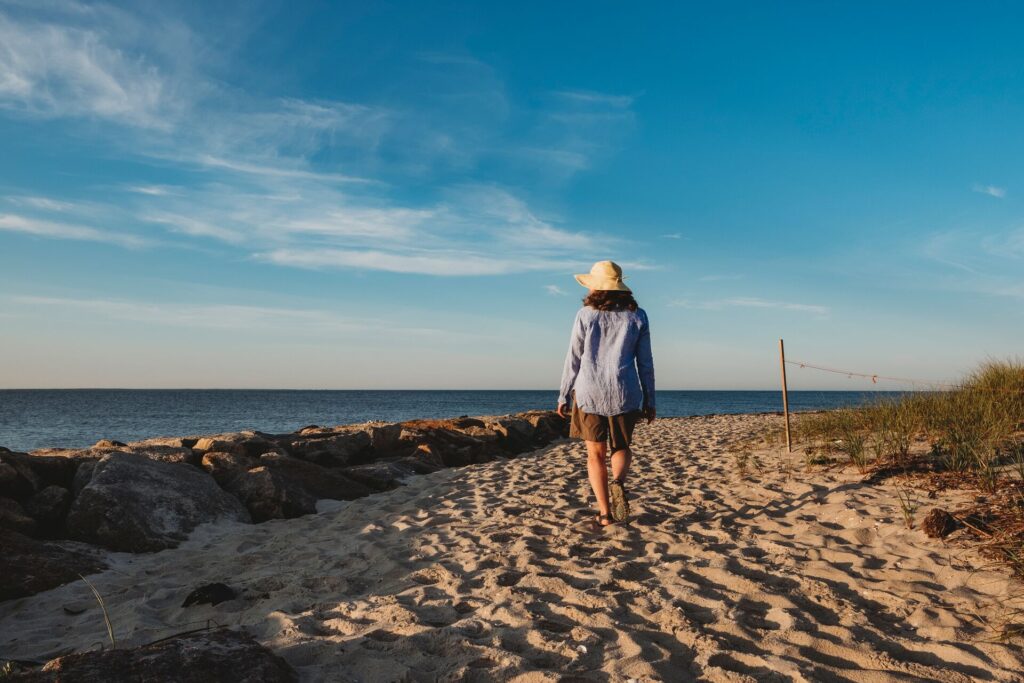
(645, 367)
(572, 363)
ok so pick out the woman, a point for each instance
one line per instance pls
(609, 379)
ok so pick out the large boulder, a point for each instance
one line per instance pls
(137, 505)
(547, 425)
(251, 444)
(319, 481)
(14, 517)
(176, 441)
(17, 478)
(225, 466)
(384, 437)
(517, 432)
(334, 448)
(268, 494)
(49, 507)
(31, 566)
(380, 476)
(220, 655)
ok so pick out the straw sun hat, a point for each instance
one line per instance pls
(605, 276)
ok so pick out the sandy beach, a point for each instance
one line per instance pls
(496, 572)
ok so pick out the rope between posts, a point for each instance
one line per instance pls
(934, 384)
(874, 377)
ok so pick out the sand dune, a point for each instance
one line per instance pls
(495, 572)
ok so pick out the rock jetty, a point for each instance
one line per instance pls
(61, 509)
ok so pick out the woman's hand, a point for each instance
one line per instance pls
(561, 410)
(650, 414)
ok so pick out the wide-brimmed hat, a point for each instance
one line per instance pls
(604, 276)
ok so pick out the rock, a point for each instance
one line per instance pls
(175, 454)
(547, 425)
(49, 507)
(210, 594)
(17, 479)
(220, 655)
(938, 523)
(319, 481)
(57, 466)
(32, 566)
(381, 476)
(423, 460)
(384, 437)
(251, 444)
(82, 477)
(518, 433)
(331, 448)
(175, 441)
(223, 466)
(14, 517)
(268, 494)
(135, 504)
(109, 443)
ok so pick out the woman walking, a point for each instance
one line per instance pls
(609, 382)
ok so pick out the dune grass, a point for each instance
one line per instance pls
(969, 435)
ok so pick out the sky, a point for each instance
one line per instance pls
(396, 195)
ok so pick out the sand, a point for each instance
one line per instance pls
(495, 572)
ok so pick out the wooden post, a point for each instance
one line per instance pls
(785, 395)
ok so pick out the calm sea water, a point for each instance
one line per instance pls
(38, 418)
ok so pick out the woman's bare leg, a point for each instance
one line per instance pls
(598, 473)
(620, 464)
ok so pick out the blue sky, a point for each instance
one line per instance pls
(395, 195)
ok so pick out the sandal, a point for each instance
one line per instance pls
(604, 518)
(617, 498)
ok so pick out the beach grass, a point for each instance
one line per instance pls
(968, 435)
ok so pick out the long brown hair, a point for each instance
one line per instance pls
(610, 300)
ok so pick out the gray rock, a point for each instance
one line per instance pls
(176, 454)
(31, 566)
(518, 432)
(334, 448)
(137, 505)
(381, 476)
(14, 517)
(384, 437)
(320, 482)
(224, 466)
(83, 475)
(49, 507)
(268, 494)
(17, 479)
(220, 655)
(252, 444)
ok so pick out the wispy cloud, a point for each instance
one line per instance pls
(449, 263)
(555, 290)
(752, 302)
(153, 190)
(720, 277)
(990, 190)
(673, 236)
(299, 182)
(68, 231)
(229, 317)
(52, 70)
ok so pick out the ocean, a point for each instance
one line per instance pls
(40, 418)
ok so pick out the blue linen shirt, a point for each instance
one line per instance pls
(609, 363)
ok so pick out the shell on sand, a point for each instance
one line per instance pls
(495, 571)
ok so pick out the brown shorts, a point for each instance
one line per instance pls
(617, 429)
